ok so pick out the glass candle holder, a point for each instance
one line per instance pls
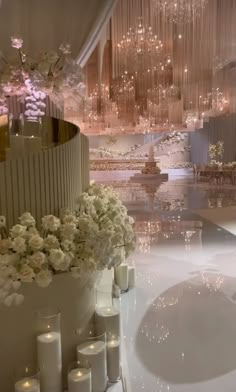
(79, 377)
(93, 351)
(107, 318)
(27, 379)
(16, 138)
(131, 273)
(104, 296)
(122, 277)
(113, 358)
(49, 350)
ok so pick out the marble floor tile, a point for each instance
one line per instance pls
(180, 320)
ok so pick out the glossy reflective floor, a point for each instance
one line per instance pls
(180, 321)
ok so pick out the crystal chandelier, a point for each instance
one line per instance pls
(139, 50)
(143, 67)
(180, 11)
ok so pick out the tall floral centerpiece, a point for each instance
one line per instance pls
(97, 235)
(31, 79)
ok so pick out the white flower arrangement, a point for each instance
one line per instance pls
(98, 234)
(216, 151)
(54, 74)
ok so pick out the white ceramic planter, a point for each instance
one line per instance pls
(75, 298)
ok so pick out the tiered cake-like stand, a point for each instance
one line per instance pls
(151, 172)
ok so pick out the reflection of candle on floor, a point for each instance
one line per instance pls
(95, 354)
(113, 360)
(79, 380)
(107, 320)
(121, 274)
(50, 361)
(131, 273)
(27, 385)
(32, 144)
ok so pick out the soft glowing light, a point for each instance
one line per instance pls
(180, 11)
(26, 384)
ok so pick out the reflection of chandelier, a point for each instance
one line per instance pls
(212, 282)
(144, 243)
(180, 11)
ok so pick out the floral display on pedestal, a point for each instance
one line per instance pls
(52, 74)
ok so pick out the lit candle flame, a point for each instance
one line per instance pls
(92, 346)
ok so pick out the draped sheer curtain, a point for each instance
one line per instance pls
(45, 24)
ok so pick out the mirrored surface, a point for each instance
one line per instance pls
(179, 322)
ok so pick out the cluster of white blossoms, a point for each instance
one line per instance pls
(97, 235)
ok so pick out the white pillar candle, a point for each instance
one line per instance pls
(27, 385)
(131, 273)
(32, 144)
(122, 277)
(107, 320)
(113, 360)
(79, 380)
(50, 361)
(94, 353)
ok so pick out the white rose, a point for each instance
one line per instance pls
(58, 260)
(68, 230)
(4, 260)
(37, 260)
(67, 245)
(8, 271)
(26, 274)
(99, 204)
(14, 299)
(51, 242)
(17, 231)
(43, 278)
(50, 223)
(69, 219)
(27, 219)
(19, 245)
(36, 242)
(30, 232)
